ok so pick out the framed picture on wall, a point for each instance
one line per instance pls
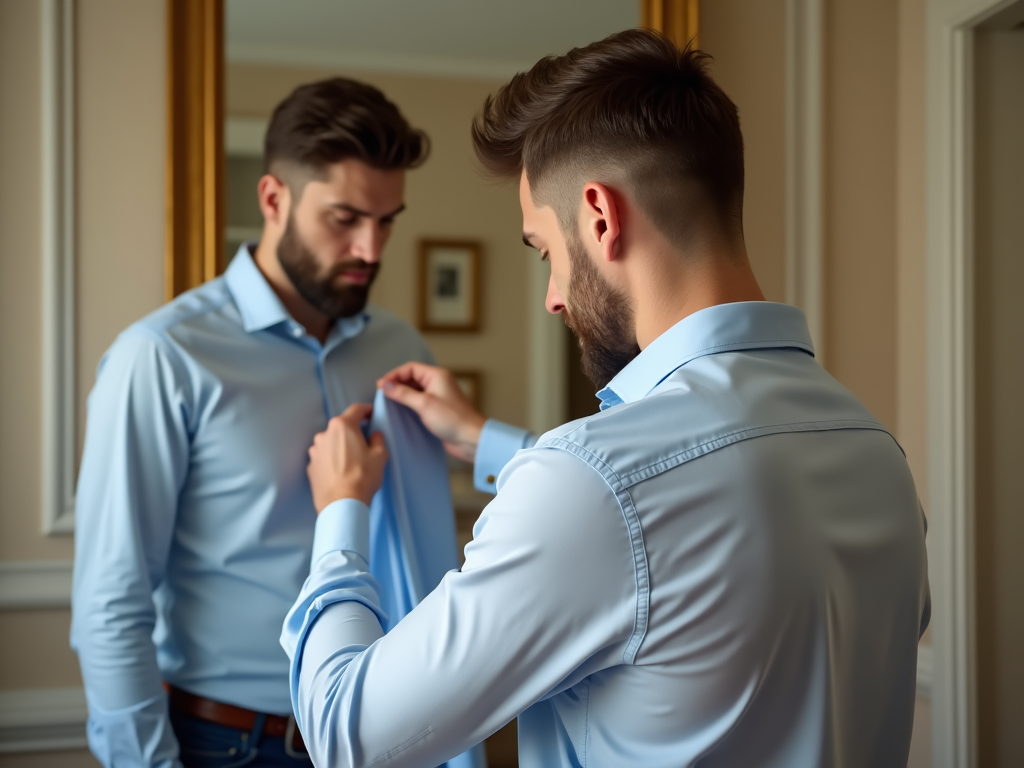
(469, 383)
(449, 286)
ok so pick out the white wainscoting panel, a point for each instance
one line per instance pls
(58, 265)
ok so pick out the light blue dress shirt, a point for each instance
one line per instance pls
(194, 515)
(725, 567)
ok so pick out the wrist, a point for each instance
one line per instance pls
(472, 430)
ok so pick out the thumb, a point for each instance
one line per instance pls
(405, 395)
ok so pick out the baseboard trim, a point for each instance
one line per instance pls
(42, 720)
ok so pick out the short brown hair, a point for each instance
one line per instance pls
(631, 110)
(332, 120)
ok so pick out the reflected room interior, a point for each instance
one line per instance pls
(437, 62)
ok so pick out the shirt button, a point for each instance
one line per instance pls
(296, 331)
(490, 479)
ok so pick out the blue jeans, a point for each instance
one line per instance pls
(208, 745)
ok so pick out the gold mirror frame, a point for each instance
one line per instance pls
(678, 20)
(195, 144)
(195, 129)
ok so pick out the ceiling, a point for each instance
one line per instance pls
(458, 38)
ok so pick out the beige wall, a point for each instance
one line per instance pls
(860, 199)
(999, 281)
(120, 124)
(746, 39)
(446, 198)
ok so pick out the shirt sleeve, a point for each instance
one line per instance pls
(546, 597)
(134, 463)
(499, 442)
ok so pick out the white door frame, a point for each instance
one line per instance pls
(950, 315)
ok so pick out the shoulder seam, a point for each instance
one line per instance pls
(674, 460)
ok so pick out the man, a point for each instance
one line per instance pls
(725, 567)
(195, 520)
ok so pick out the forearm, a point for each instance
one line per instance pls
(489, 641)
(140, 735)
(336, 617)
(355, 694)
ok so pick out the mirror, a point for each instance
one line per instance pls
(232, 61)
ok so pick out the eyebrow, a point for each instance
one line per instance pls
(527, 237)
(358, 212)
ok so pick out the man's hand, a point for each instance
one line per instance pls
(436, 396)
(342, 465)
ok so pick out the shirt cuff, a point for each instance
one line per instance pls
(498, 444)
(343, 525)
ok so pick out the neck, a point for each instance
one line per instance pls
(316, 323)
(675, 286)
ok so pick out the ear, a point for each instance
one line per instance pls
(600, 219)
(274, 198)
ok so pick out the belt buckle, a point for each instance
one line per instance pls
(289, 738)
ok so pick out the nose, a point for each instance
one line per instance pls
(553, 302)
(369, 242)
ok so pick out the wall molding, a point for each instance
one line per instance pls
(42, 720)
(35, 584)
(59, 420)
(805, 109)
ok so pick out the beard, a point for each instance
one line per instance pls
(318, 288)
(600, 317)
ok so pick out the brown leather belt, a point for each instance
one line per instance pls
(231, 716)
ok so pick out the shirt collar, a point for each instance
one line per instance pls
(256, 301)
(721, 328)
(261, 308)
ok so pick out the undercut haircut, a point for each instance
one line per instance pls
(326, 122)
(631, 111)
